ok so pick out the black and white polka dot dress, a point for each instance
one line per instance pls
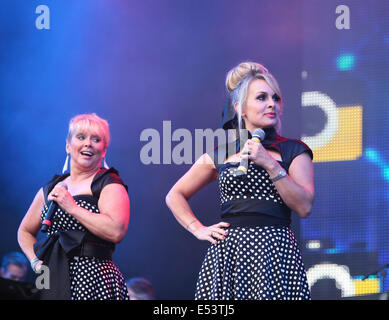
(90, 278)
(260, 258)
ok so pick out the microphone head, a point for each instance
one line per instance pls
(259, 133)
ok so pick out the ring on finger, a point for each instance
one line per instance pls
(55, 195)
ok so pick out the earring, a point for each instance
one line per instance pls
(65, 166)
(105, 164)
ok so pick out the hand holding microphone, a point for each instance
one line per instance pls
(258, 136)
(53, 206)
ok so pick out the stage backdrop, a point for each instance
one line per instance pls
(345, 119)
(161, 66)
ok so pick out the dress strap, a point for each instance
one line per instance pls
(103, 178)
(52, 183)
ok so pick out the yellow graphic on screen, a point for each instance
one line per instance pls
(367, 286)
(341, 138)
(348, 285)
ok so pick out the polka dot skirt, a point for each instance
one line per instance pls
(93, 279)
(261, 263)
(90, 278)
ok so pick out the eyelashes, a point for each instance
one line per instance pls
(82, 137)
(263, 97)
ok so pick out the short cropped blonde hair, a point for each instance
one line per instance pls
(86, 121)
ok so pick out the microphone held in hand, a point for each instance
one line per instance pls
(258, 136)
(53, 206)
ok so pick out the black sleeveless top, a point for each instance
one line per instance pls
(73, 253)
(63, 221)
(253, 200)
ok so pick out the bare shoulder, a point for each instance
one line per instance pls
(113, 192)
(205, 159)
(202, 172)
(113, 187)
(205, 167)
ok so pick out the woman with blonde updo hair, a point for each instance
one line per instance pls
(90, 214)
(237, 82)
(254, 254)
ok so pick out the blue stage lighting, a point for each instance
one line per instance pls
(345, 62)
(373, 156)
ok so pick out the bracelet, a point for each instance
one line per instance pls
(281, 174)
(190, 223)
(33, 263)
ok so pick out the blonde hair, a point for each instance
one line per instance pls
(238, 80)
(87, 121)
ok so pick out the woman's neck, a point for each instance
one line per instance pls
(81, 174)
(270, 131)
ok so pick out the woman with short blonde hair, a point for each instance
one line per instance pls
(91, 215)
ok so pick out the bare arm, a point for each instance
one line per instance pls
(114, 206)
(199, 175)
(297, 188)
(31, 225)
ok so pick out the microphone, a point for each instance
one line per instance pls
(258, 136)
(53, 206)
